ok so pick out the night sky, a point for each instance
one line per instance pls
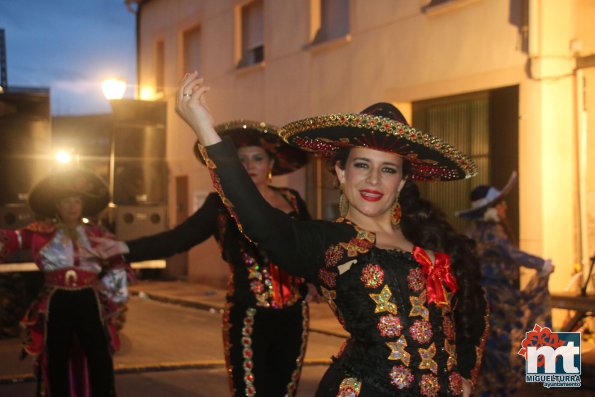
(69, 46)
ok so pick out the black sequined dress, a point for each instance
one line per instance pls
(265, 321)
(402, 339)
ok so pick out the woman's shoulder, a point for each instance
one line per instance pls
(338, 231)
(328, 230)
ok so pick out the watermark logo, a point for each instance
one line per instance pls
(552, 358)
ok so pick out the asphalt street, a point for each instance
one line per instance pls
(171, 346)
(168, 350)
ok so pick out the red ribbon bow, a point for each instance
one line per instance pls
(438, 275)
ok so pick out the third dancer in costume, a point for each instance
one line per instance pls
(514, 311)
(265, 323)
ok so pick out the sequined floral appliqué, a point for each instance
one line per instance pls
(372, 276)
(421, 331)
(349, 387)
(416, 280)
(401, 377)
(390, 326)
(429, 385)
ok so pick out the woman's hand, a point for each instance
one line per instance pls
(191, 105)
(547, 269)
(312, 296)
(467, 387)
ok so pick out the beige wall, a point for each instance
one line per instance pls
(588, 162)
(586, 123)
(548, 186)
(397, 53)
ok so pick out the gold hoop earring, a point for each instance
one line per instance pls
(395, 215)
(343, 204)
(270, 176)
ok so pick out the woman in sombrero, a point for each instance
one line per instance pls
(400, 280)
(71, 328)
(265, 322)
(513, 311)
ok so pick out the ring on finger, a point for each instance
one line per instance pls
(186, 95)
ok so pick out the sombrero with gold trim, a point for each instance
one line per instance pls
(381, 127)
(65, 183)
(255, 133)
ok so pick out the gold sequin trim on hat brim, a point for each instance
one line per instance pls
(300, 133)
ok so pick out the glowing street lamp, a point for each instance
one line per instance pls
(147, 93)
(113, 88)
(63, 157)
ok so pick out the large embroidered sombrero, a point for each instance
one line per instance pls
(484, 197)
(254, 133)
(66, 183)
(381, 127)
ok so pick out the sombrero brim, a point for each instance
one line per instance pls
(474, 213)
(431, 159)
(93, 191)
(253, 133)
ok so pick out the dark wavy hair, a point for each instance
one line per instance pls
(425, 225)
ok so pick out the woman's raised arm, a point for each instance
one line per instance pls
(297, 246)
(191, 105)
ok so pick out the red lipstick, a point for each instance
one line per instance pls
(371, 195)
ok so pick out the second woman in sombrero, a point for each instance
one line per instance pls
(265, 322)
(400, 280)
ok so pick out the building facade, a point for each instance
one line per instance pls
(508, 82)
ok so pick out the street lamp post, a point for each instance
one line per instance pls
(113, 90)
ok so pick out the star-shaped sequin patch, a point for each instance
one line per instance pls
(397, 350)
(452, 354)
(360, 244)
(383, 303)
(418, 308)
(427, 358)
(330, 296)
